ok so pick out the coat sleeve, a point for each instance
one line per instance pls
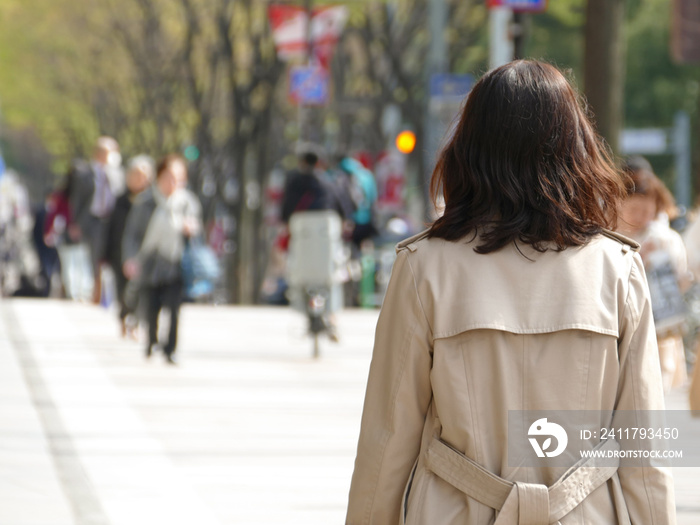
(289, 198)
(135, 229)
(396, 402)
(648, 491)
(115, 230)
(80, 196)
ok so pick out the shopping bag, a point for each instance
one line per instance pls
(76, 271)
(200, 269)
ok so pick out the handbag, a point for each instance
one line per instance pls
(668, 306)
(200, 268)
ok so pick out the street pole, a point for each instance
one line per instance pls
(501, 46)
(309, 36)
(310, 117)
(302, 113)
(519, 29)
(437, 19)
(681, 150)
(437, 63)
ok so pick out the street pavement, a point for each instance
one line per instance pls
(249, 429)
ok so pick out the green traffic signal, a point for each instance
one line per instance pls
(192, 153)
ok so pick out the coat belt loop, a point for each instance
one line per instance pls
(529, 502)
(533, 504)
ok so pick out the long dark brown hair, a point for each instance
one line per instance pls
(525, 164)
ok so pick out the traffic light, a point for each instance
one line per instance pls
(406, 141)
(191, 153)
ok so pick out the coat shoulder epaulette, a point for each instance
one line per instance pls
(410, 242)
(622, 239)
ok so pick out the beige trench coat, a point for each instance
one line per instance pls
(461, 339)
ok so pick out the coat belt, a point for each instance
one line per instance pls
(517, 502)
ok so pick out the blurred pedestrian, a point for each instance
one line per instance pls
(691, 237)
(58, 215)
(19, 263)
(342, 187)
(362, 188)
(517, 298)
(161, 218)
(645, 218)
(306, 187)
(94, 188)
(309, 189)
(139, 176)
(48, 255)
(358, 186)
(77, 278)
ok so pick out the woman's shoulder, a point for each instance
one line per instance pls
(606, 240)
(517, 288)
(620, 239)
(411, 243)
(607, 258)
(611, 252)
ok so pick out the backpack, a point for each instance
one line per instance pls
(362, 189)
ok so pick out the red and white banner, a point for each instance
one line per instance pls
(531, 6)
(289, 32)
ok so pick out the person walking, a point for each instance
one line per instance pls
(644, 217)
(306, 187)
(363, 189)
(94, 188)
(139, 176)
(516, 298)
(19, 263)
(161, 219)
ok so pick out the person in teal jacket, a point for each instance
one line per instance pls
(363, 189)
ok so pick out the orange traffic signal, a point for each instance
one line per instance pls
(406, 141)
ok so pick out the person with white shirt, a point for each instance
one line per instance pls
(644, 218)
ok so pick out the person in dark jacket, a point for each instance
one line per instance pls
(139, 176)
(307, 188)
(160, 221)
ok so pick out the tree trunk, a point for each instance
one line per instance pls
(604, 68)
(260, 248)
(246, 231)
(235, 263)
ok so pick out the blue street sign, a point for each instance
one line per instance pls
(448, 86)
(308, 86)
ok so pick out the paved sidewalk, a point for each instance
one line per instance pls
(248, 430)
